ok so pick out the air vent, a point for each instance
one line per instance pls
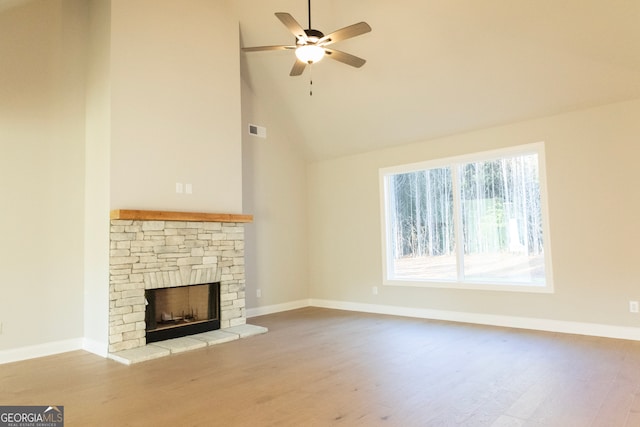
(257, 131)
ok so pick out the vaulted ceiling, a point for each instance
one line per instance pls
(439, 67)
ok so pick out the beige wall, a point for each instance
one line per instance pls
(274, 190)
(41, 172)
(97, 158)
(594, 203)
(175, 105)
(162, 106)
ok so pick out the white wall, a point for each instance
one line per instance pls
(175, 105)
(274, 190)
(594, 203)
(41, 173)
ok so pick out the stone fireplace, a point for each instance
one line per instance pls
(156, 250)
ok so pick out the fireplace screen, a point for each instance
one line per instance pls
(180, 311)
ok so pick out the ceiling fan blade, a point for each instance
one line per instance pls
(261, 48)
(292, 25)
(345, 33)
(345, 58)
(298, 68)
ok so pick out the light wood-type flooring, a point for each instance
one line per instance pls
(321, 367)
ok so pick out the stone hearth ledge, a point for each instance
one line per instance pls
(192, 342)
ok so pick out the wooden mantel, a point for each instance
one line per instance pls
(178, 216)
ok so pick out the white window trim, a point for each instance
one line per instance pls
(533, 148)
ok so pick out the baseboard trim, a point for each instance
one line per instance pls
(40, 350)
(548, 325)
(277, 308)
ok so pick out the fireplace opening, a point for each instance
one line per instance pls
(181, 311)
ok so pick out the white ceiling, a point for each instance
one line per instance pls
(439, 67)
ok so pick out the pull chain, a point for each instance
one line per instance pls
(310, 64)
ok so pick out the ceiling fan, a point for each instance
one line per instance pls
(311, 45)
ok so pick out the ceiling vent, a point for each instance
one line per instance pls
(257, 131)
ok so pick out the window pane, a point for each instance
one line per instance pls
(422, 232)
(502, 220)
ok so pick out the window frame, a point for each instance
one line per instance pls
(454, 162)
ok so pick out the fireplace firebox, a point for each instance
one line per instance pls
(180, 311)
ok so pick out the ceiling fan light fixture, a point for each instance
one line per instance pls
(309, 53)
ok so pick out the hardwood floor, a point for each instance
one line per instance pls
(320, 367)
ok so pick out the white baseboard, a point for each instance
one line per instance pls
(549, 325)
(277, 308)
(40, 350)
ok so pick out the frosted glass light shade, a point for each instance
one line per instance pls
(309, 53)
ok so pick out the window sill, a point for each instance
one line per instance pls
(476, 286)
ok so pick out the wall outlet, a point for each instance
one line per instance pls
(188, 188)
(259, 293)
(374, 290)
(633, 306)
(256, 130)
(179, 189)
(0, 328)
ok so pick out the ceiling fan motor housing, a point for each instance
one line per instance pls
(313, 35)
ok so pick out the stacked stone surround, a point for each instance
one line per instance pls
(162, 254)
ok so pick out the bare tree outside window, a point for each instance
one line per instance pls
(474, 221)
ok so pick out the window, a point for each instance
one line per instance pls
(476, 221)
